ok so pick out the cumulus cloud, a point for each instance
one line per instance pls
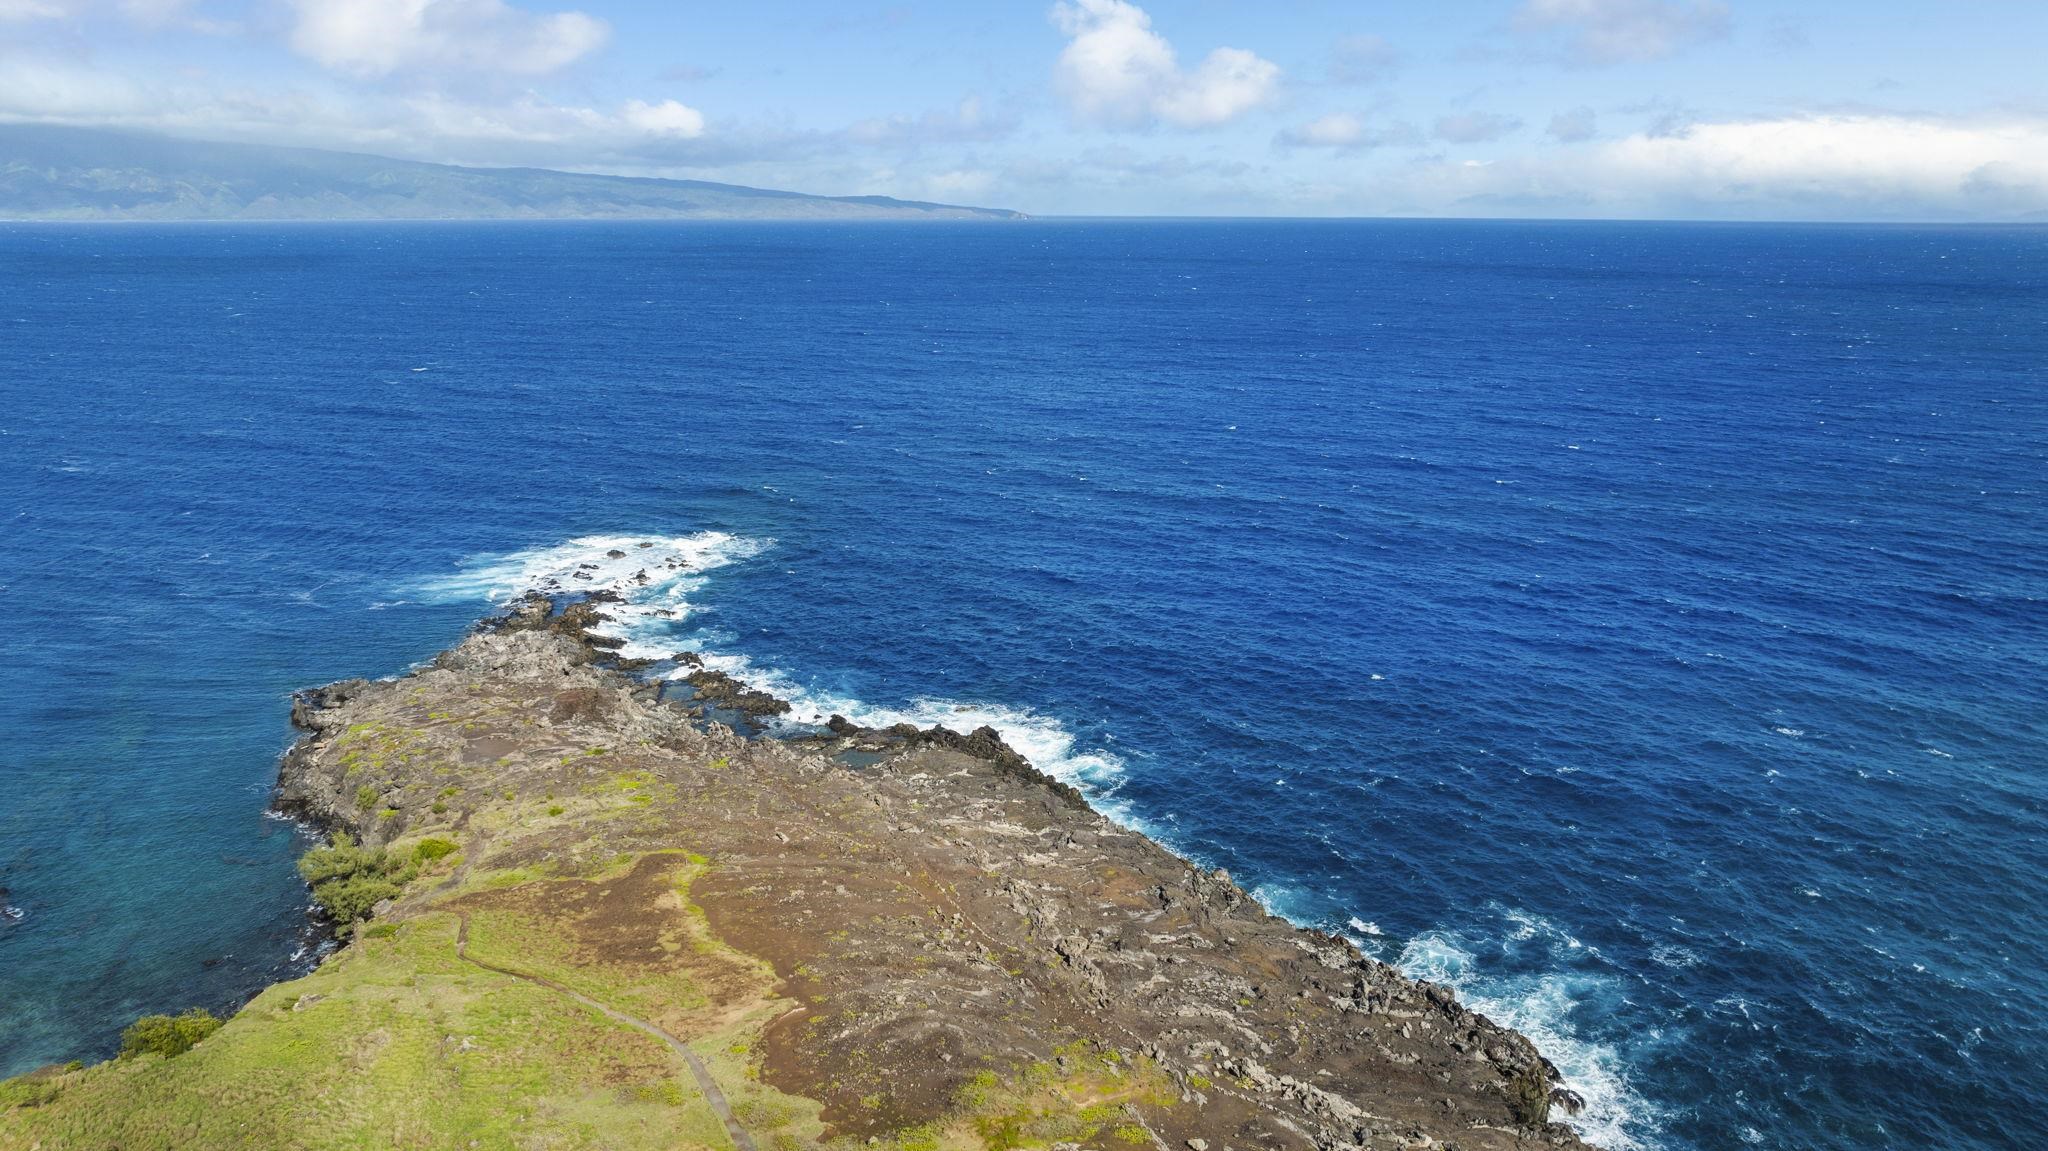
(1474, 127)
(371, 38)
(1573, 126)
(668, 118)
(1594, 33)
(1116, 71)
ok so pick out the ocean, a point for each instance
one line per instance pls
(1639, 627)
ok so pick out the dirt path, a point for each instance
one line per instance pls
(706, 1084)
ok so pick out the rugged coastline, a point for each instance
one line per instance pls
(606, 918)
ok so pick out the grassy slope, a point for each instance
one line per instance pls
(395, 1042)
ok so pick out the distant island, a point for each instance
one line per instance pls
(583, 909)
(50, 172)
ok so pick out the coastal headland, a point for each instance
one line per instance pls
(583, 909)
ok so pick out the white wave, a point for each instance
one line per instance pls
(652, 574)
(1540, 1006)
(1364, 927)
(656, 578)
(1045, 741)
(1672, 955)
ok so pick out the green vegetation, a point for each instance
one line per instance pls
(392, 1043)
(167, 1035)
(349, 880)
(433, 848)
(1088, 1095)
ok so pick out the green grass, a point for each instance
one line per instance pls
(393, 1043)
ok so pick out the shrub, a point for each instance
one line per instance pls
(349, 880)
(167, 1035)
(429, 850)
(366, 797)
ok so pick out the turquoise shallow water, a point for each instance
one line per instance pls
(1639, 626)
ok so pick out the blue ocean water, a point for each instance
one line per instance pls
(1642, 627)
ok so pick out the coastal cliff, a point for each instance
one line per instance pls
(582, 912)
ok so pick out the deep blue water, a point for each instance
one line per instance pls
(1643, 627)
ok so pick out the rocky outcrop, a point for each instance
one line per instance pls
(941, 914)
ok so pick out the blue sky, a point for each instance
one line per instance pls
(1735, 109)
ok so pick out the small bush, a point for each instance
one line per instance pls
(366, 797)
(429, 850)
(167, 1035)
(349, 880)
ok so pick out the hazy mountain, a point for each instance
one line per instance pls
(56, 173)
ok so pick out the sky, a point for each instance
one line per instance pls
(1709, 109)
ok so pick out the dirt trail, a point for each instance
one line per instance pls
(705, 1083)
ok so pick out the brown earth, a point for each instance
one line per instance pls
(905, 933)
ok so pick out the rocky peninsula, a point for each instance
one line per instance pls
(583, 910)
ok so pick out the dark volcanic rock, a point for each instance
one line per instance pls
(310, 708)
(724, 691)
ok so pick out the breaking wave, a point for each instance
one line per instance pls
(1534, 977)
(657, 579)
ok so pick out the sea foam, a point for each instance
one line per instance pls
(658, 580)
(1540, 1004)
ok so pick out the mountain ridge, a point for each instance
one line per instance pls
(50, 172)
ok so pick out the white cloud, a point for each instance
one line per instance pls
(370, 38)
(1116, 71)
(1600, 32)
(1805, 167)
(668, 118)
(428, 126)
(1346, 132)
(1336, 130)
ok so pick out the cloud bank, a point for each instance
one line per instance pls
(1874, 167)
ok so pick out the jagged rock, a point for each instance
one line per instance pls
(726, 692)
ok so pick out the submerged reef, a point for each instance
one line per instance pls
(583, 912)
